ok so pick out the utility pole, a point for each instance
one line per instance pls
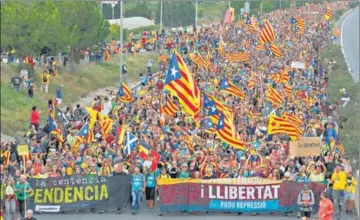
(261, 5)
(121, 41)
(229, 4)
(161, 16)
(196, 13)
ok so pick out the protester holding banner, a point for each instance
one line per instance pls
(137, 188)
(89, 145)
(22, 190)
(10, 203)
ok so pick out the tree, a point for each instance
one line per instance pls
(29, 27)
(32, 27)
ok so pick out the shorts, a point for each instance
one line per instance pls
(150, 193)
(306, 214)
(349, 196)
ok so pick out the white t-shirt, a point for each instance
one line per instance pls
(107, 108)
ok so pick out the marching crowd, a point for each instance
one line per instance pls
(181, 147)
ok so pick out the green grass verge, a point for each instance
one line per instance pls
(16, 107)
(341, 78)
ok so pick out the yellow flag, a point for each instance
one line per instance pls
(93, 115)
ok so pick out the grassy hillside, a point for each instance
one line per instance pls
(16, 107)
(350, 114)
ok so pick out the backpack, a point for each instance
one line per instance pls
(16, 81)
(45, 79)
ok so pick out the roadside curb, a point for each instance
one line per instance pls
(341, 23)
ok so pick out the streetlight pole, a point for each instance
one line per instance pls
(196, 13)
(261, 5)
(161, 16)
(121, 41)
(229, 4)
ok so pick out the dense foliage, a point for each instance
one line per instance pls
(31, 28)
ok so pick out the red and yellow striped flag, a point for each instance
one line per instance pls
(267, 34)
(288, 90)
(180, 83)
(163, 58)
(226, 136)
(125, 93)
(237, 57)
(336, 32)
(221, 49)
(106, 124)
(275, 50)
(274, 97)
(168, 107)
(278, 125)
(292, 118)
(328, 12)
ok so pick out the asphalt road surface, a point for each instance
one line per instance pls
(350, 42)
(146, 215)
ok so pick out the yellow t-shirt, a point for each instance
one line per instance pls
(351, 188)
(339, 180)
(45, 78)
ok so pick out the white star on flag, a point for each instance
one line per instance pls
(173, 71)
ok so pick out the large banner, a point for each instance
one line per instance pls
(232, 195)
(78, 192)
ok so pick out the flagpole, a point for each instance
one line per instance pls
(161, 16)
(121, 41)
(196, 13)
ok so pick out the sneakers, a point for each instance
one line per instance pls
(133, 212)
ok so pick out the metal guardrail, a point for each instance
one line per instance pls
(138, 86)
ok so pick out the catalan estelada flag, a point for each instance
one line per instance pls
(300, 24)
(219, 105)
(340, 148)
(87, 132)
(228, 87)
(180, 83)
(198, 60)
(292, 118)
(208, 63)
(275, 49)
(125, 93)
(168, 107)
(274, 97)
(226, 136)
(278, 125)
(237, 57)
(267, 34)
(209, 126)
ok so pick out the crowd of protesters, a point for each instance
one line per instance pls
(186, 150)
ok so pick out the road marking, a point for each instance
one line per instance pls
(342, 43)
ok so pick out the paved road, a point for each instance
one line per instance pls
(350, 42)
(145, 215)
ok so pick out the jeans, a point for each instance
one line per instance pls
(136, 198)
(338, 202)
(10, 209)
(149, 69)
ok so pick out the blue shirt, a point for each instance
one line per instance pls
(150, 180)
(137, 181)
